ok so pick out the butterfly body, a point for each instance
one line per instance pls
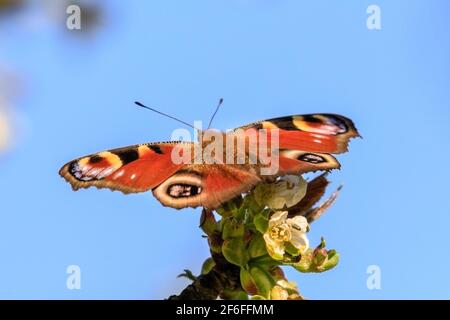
(221, 165)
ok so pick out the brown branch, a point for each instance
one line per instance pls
(210, 286)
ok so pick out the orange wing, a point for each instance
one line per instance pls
(305, 143)
(131, 169)
(149, 166)
(326, 133)
(205, 185)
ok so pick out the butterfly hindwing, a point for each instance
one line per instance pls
(205, 185)
(298, 162)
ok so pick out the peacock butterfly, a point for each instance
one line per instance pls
(304, 143)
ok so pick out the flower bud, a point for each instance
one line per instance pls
(279, 293)
(331, 261)
(317, 260)
(285, 193)
(247, 282)
(264, 281)
(277, 273)
(319, 256)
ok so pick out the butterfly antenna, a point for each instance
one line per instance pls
(164, 114)
(215, 112)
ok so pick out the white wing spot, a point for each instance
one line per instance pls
(118, 174)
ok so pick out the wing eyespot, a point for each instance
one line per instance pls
(95, 159)
(183, 190)
(311, 158)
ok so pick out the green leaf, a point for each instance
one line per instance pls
(251, 204)
(232, 228)
(228, 294)
(264, 260)
(261, 224)
(257, 247)
(261, 221)
(208, 265)
(187, 274)
(215, 242)
(230, 208)
(235, 251)
(208, 222)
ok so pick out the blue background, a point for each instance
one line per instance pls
(267, 59)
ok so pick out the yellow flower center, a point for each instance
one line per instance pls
(281, 232)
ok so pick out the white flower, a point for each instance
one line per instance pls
(284, 193)
(282, 230)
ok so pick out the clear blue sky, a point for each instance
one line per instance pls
(267, 59)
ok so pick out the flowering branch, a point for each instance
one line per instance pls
(258, 233)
